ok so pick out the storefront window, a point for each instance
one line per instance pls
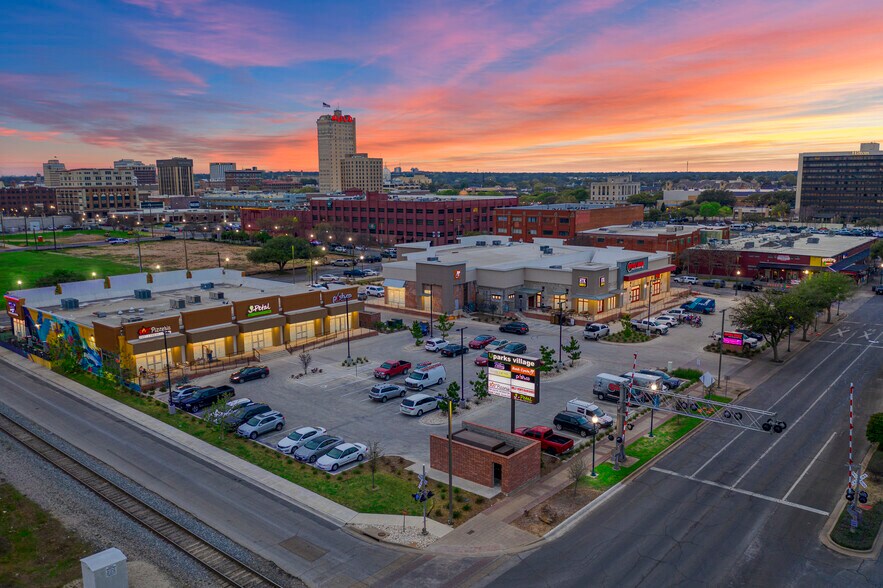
(395, 296)
(655, 287)
(206, 350)
(558, 299)
(18, 326)
(635, 294)
(583, 305)
(337, 324)
(257, 340)
(155, 361)
(302, 331)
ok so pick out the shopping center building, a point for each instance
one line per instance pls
(493, 274)
(190, 318)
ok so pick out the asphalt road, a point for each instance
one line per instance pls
(732, 508)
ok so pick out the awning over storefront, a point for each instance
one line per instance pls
(559, 291)
(648, 273)
(797, 267)
(846, 262)
(390, 283)
(212, 333)
(261, 323)
(140, 346)
(339, 308)
(305, 314)
(528, 291)
(602, 296)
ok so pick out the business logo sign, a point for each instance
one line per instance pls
(457, 274)
(733, 338)
(514, 376)
(783, 257)
(151, 332)
(583, 282)
(602, 281)
(341, 297)
(12, 306)
(828, 261)
(343, 118)
(634, 266)
(258, 310)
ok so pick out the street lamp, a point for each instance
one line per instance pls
(346, 301)
(720, 349)
(462, 378)
(790, 320)
(165, 345)
(652, 411)
(594, 441)
(560, 329)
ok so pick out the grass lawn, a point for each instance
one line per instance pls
(62, 236)
(351, 488)
(717, 398)
(27, 266)
(863, 537)
(35, 549)
(644, 449)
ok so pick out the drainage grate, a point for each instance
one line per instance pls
(303, 548)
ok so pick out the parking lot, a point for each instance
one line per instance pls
(337, 399)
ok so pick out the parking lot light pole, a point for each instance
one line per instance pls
(430, 311)
(450, 462)
(165, 345)
(346, 302)
(790, 318)
(594, 441)
(560, 330)
(462, 378)
(720, 349)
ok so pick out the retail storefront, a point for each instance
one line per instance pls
(304, 317)
(15, 311)
(155, 343)
(337, 304)
(394, 290)
(211, 333)
(260, 323)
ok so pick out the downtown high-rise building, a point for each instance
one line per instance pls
(175, 176)
(337, 140)
(360, 172)
(840, 186)
(52, 173)
(218, 169)
(145, 174)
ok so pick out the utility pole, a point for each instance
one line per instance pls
(462, 369)
(720, 349)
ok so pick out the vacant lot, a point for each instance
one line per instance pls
(67, 237)
(27, 266)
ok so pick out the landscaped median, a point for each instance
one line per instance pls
(392, 492)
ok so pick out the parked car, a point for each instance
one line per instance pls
(453, 350)
(342, 262)
(318, 286)
(384, 392)
(750, 333)
(372, 259)
(434, 344)
(67, 228)
(328, 278)
(747, 286)
(370, 273)
(589, 410)
(315, 448)
(703, 305)
(482, 359)
(496, 345)
(686, 279)
(254, 372)
(117, 241)
(183, 392)
(650, 326)
(354, 273)
(608, 386)
(341, 455)
(260, 424)
(595, 331)
(241, 415)
(514, 348)
(715, 283)
(518, 328)
(549, 441)
(297, 438)
(669, 382)
(667, 320)
(206, 397)
(576, 423)
(391, 367)
(481, 341)
(376, 291)
(216, 415)
(417, 404)
(167, 238)
(878, 289)
(426, 376)
(678, 313)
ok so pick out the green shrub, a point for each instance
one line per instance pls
(875, 428)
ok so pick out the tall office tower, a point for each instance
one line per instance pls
(337, 139)
(144, 173)
(217, 171)
(175, 176)
(840, 186)
(51, 173)
(360, 172)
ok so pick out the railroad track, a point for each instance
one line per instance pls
(232, 571)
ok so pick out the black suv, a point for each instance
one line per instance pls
(372, 259)
(576, 423)
(242, 415)
(747, 286)
(518, 328)
(206, 397)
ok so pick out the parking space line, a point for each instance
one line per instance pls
(809, 465)
(781, 501)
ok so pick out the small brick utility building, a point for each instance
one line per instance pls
(487, 456)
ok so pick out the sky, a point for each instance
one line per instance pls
(591, 85)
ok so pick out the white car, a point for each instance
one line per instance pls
(318, 286)
(496, 344)
(668, 320)
(686, 279)
(298, 437)
(370, 273)
(595, 331)
(328, 277)
(341, 455)
(678, 313)
(342, 262)
(434, 344)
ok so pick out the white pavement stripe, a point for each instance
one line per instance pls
(852, 344)
(745, 492)
(809, 465)
(803, 414)
(782, 397)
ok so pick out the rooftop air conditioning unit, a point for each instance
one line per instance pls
(812, 240)
(142, 294)
(555, 267)
(176, 303)
(194, 299)
(496, 243)
(548, 251)
(69, 303)
(207, 285)
(749, 245)
(481, 243)
(432, 259)
(216, 295)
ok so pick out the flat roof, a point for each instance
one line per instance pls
(565, 206)
(823, 245)
(644, 230)
(415, 197)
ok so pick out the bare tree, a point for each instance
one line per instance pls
(576, 471)
(305, 360)
(375, 452)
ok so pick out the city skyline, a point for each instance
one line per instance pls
(603, 85)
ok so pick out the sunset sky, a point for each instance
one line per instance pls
(598, 85)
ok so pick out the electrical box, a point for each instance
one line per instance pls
(106, 569)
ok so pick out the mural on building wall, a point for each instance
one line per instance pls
(45, 326)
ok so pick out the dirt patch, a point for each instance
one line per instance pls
(169, 255)
(544, 517)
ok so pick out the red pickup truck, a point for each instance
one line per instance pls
(392, 368)
(549, 441)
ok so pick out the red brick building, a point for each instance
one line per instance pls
(561, 221)
(487, 456)
(673, 238)
(15, 200)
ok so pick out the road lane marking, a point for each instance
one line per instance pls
(782, 397)
(745, 492)
(852, 344)
(781, 436)
(809, 465)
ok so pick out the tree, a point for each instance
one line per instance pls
(780, 210)
(769, 313)
(59, 276)
(710, 208)
(877, 249)
(444, 324)
(546, 361)
(280, 250)
(652, 214)
(646, 198)
(572, 350)
(830, 287)
(690, 210)
(869, 222)
(725, 212)
(479, 385)
(874, 433)
(375, 452)
(807, 306)
(453, 397)
(576, 470)
(626, 321)
(215, 417)
(722, 197)
(417, 333)
(305, 360)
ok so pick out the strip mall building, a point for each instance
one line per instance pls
(494, 273)
(211, 315)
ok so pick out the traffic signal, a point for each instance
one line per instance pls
(429, 494)
(863, 497)
(850, 494)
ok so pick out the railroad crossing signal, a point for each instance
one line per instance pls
(858, 480)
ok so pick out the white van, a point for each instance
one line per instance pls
(645, 380)
(608, 386)
(426, 376)
(589, 410)
(377, 291)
